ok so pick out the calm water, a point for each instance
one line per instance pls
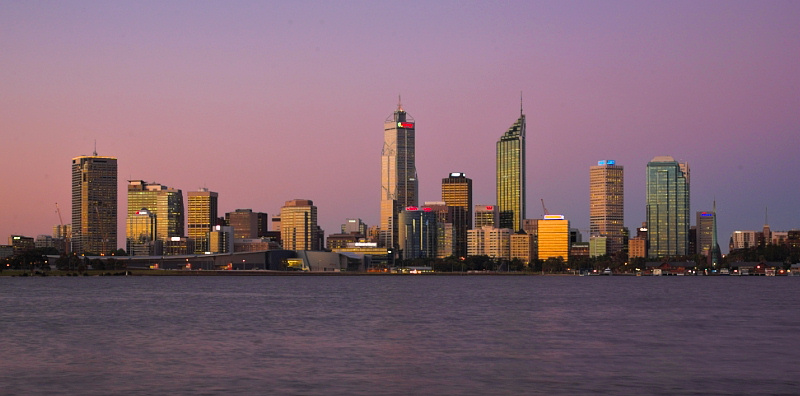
(375, 335)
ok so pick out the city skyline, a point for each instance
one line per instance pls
(266, 104)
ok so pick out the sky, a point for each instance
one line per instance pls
(265, 102)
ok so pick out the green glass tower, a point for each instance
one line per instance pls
(667, 207)
(511, 175)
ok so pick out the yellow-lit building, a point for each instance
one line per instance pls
(523, 247)
(299, 229)
(163, 202)
(553, 237)
(202, 216)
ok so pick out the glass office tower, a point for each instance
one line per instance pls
(667, 207)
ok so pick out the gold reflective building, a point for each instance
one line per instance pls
(165, 203)
(553, 239)
(202, 217)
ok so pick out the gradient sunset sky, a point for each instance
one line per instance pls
(265, 102)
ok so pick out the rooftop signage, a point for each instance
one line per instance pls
(554, 217)
(606, 162)
(406, 125)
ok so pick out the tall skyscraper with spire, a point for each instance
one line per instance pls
(511, 175)
(94, 204)
(667, 207)
(399, 184)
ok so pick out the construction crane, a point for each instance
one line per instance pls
(63, 230)
(546, 212)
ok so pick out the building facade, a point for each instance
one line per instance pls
(417, 233)
(141, 233)
(606, 204)
(94, 204)
(553, 237)
(511, 175)
(667, 207)
(457, 194)
(165, 203)
(246, 223)
(399, 184)
(202, 217)
(299, 229)
(486, 216)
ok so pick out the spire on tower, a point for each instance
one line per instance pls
(95, 148)
(399, 104)
(520, 103)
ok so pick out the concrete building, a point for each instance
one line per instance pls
(355, 226)
(667, 207)
(202, 217)
(246, 223)
(299, 229)
(743, 240)
(553, 238)
(523, 247)
(598, 246)
(486, 216)
(21, 244)
(637, 247)
(489, 241)
(94, 204)
(399, 184)
(511, 175)
(606, 203)
(221, 239)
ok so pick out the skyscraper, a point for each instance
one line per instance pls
(667, 207)
(202, 217)
(165, 203)
(399, 184)
(299, 229)
(707, 244)
(511, 175)
(606, 204)
(457, 194)
(94, 204)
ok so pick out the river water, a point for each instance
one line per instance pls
(400, 335)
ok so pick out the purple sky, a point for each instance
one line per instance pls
(267, 102)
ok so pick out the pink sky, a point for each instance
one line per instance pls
(264, 102)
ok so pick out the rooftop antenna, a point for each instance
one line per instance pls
(95, 148)
(520, 103)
